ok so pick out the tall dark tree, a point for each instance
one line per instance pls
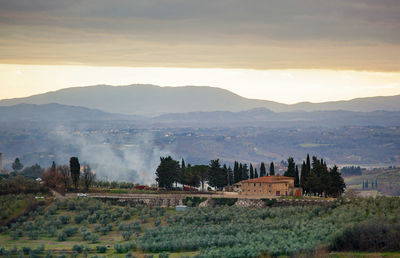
(217, 176)
(308, 163)
(236, 172)
(251, 171)
(296, 178)
(183, 175)
(272, 169)
(255, 173)
(17, 165)
(303, 177)
(291, 170)
(167, 172)
(263, 171)
(240, 177)
(337, 185)
(230, 176)
(75, 169)
(245, 172)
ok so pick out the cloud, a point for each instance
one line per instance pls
(226, 33)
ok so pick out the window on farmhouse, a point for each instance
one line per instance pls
(254, 184)
(260, 184)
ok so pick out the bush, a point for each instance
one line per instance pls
(224, 201)
(163, 255)
(64, 219)
(101, 248)
(157, 222)
(62, 236)
(94, 238)
(70, 231)
(193, 201)
(269, 202)
(126, 235)
(26, 249)
(33, 235)
(369, 236)
(123, 248)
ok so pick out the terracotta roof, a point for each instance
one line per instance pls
(269, 179)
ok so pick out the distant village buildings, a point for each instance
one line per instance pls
(276, 185)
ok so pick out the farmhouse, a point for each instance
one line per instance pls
(269, 185)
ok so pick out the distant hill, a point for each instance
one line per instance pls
(147, 99)
(154, 100)
(54, 112)
(265, 117)
(255, 117)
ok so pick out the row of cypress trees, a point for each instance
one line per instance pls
(316, 178)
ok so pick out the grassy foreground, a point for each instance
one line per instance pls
(86, 227)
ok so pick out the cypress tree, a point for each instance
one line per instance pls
(75, 169)
(255, 173)
(272, 169)
(236, 172)
(291, 170)
(303, 177)
(230, 176)
(296, 178)
(245, 172)
(263, 171)
(251, 171)
(241, 172)
(308, 163)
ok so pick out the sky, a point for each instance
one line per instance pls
(282, 50)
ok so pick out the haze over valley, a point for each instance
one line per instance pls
(122, 131)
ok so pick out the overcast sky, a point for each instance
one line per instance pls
(313, 35)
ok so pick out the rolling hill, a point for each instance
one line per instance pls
(153, 100)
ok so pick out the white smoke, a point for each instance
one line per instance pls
(114, 155)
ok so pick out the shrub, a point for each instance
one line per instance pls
(193, 201)
(101, 248)
(224, 201)
(64, 219)
(62, 236)
(16, 234)
(370, 236)
(137, 227)
(123, 248)
(70, 231)
(163, 255)
(126, 235)
(94, 238)
(26, 249)
(157, 222)
(33, 235)
(269, 202)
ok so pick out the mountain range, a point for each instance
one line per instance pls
(151, 100)
(255, 117)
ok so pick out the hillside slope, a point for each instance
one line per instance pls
(154, 100)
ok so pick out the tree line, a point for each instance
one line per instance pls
(171, 172)
(66, 177)
(315, 178)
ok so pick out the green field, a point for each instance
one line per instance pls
(87, 227)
